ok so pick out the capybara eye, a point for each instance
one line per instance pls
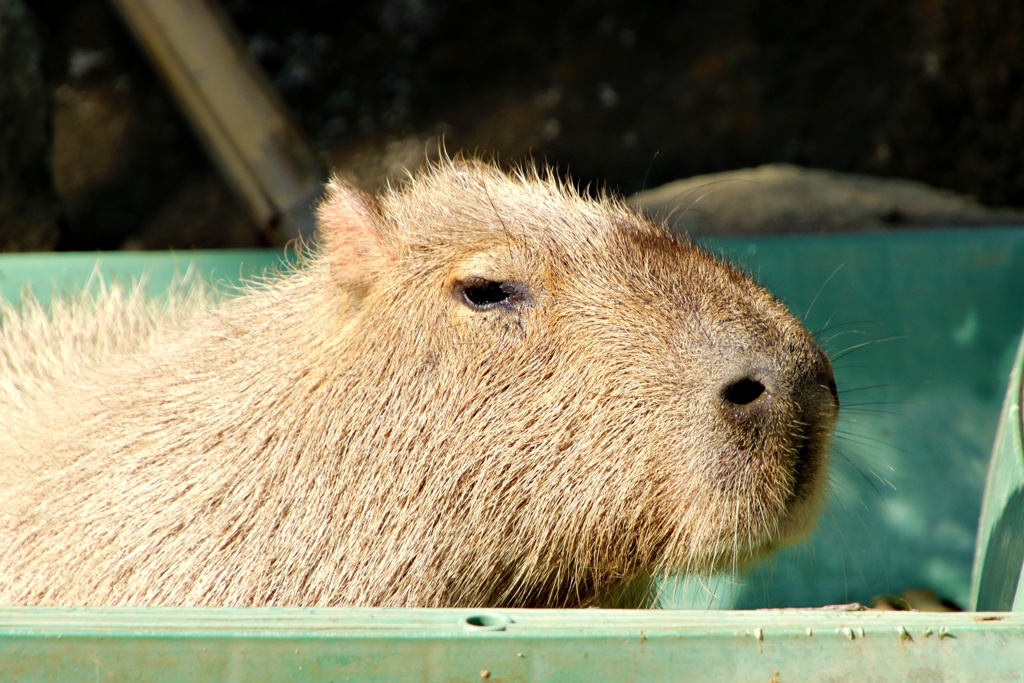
(481, 294)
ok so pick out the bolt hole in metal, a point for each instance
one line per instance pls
(487, 621)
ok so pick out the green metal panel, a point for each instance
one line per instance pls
(46, 275)
(520, 645)
(999, 558)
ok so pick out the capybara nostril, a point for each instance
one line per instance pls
(744, 392)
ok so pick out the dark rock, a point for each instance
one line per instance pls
(29, 209)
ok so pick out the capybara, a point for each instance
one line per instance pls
(479, 389)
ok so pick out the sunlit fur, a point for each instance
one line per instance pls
(353, 433)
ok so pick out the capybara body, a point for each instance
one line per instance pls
(480, 389)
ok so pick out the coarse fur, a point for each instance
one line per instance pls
(362, 431)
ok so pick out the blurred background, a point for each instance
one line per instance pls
(834, 107)
(95, 153)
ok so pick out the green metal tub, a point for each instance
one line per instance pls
(924, 329)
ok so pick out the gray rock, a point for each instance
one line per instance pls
(781, 198)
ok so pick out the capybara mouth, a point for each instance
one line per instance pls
(808, 463)
(812, 444)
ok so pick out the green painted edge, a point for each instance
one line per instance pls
(268, 644)
(348, 621)
(999, 553)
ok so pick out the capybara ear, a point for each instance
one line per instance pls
(352, 233)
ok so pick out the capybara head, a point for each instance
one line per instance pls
(481, 389)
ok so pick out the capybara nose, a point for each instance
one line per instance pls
(805, 391)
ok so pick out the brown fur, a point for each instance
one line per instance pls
(353, 433)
